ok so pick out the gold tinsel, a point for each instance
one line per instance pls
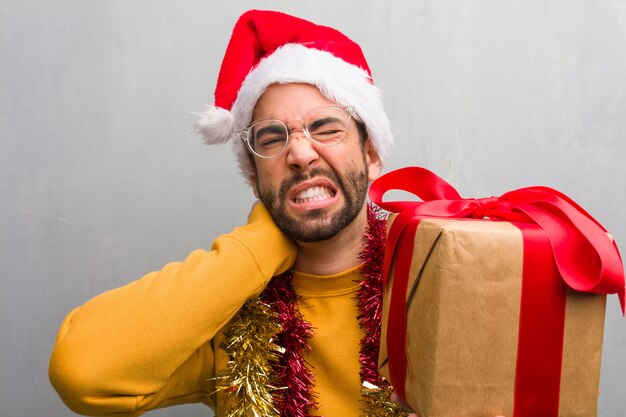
(253, 355)
(379, 403)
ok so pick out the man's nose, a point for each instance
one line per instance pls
(301, 153)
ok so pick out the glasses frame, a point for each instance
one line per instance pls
(244, 133)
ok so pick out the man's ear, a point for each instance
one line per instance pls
(374, 164)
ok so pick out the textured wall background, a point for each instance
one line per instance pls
(101, 180)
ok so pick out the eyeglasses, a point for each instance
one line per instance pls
(324, 126)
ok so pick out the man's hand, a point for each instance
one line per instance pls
(261, 222)
(396, 399)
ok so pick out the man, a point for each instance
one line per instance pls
(310, 132)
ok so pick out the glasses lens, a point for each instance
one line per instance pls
(327, 125)
(267, 138)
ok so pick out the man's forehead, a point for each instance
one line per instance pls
(289, 100)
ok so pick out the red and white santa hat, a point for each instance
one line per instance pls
(270, 47)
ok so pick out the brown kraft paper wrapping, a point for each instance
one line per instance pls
(463, 303)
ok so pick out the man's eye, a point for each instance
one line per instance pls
(326, 124)
(267, 141)
(329, 132)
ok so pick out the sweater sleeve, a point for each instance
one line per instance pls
(149, 344)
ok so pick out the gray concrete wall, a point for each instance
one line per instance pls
(101, 180)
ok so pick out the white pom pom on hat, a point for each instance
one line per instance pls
(269, 47)
(216, 125)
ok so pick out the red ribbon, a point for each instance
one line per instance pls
(581, 256)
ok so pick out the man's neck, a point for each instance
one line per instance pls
(336, 254)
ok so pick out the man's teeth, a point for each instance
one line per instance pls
(313, 194)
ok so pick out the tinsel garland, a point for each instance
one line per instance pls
(249, 376)
(296, 380)
(375, 389)
(267, 373)
(369, 297)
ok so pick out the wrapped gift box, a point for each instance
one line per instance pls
(463, 314)
(479, 319)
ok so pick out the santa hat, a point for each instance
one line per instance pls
(269, 47)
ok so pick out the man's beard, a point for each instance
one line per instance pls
(316, 226)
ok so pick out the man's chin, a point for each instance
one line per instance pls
(316, 215)
(310, 227)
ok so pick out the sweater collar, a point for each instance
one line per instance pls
(327, 285)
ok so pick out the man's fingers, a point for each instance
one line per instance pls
(396, 399)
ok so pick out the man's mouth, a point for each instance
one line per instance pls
(317, 193)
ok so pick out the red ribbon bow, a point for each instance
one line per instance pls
(584, 255)
(587, 258)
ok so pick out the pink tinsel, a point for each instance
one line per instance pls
(370, 296)
(295, 397)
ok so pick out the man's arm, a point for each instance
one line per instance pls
(148, 344)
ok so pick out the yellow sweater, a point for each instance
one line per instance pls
(155, 342)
